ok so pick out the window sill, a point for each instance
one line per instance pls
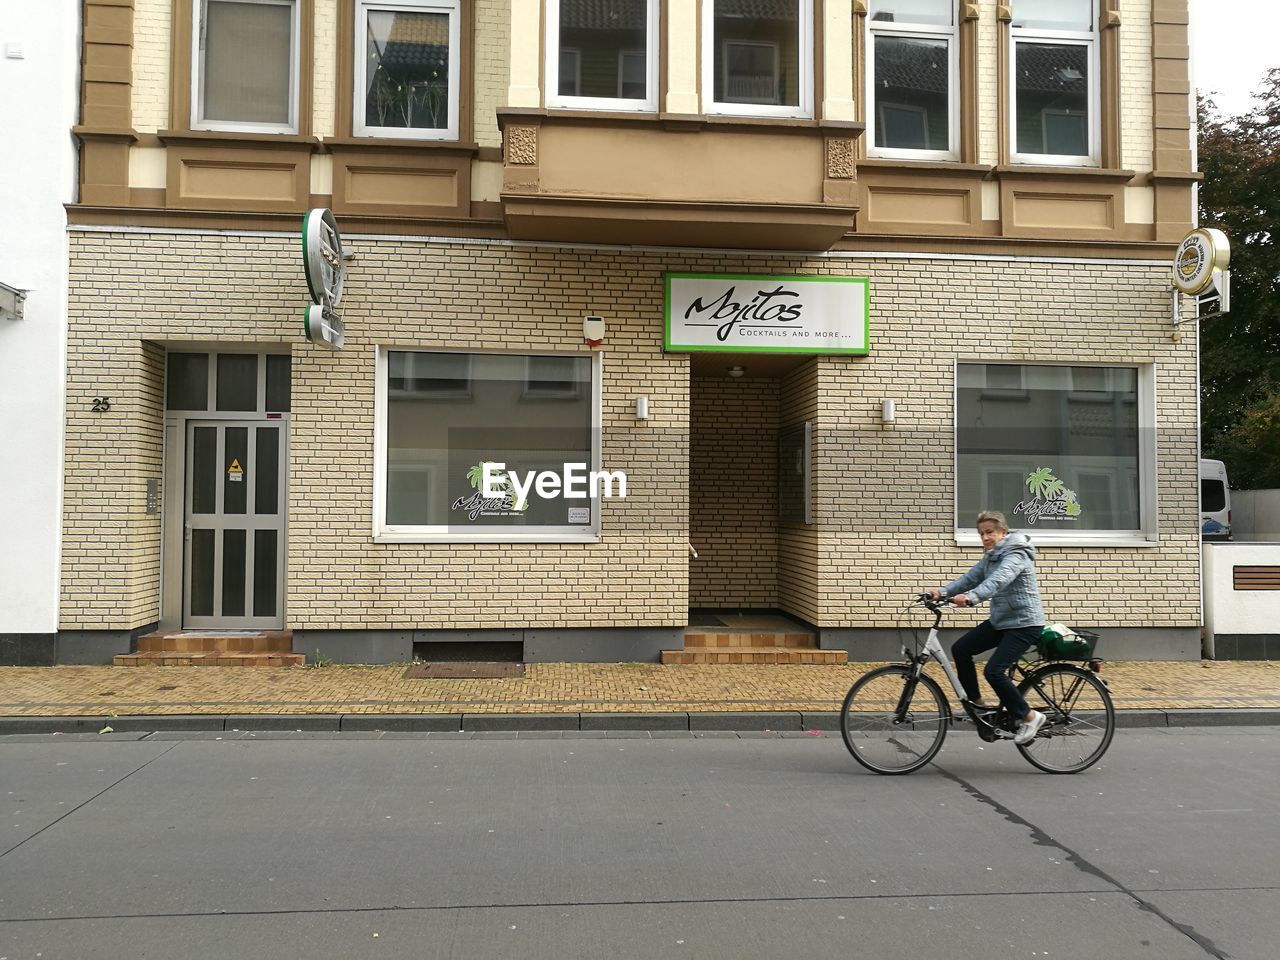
(1035, 170)
(935, 166)
(525, 115)
(205, 136)
(1042, 539)
(399, 143)
(486, 538)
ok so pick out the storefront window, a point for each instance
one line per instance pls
(449, 414)
(1059, 450)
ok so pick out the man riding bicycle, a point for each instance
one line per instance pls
(1006, 575)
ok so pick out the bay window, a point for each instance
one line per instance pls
(602, 54)
(442, 416)
(757, 57)
(913, 86)
(407, 69)
(1064, 452)
(245, 65)
(1055, 82)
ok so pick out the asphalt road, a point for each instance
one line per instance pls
(551, 846)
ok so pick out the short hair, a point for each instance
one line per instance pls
(992, 516)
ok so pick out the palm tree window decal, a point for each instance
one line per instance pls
(1043, 485)
(407, 70)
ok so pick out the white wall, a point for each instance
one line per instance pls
(38, 103)
(1255, 515)
(1238, 612)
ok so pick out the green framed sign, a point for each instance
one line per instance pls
(745, 313)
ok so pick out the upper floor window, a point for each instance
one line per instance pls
(602, 54)
(757, 57)
(913, 89)
(1055, 85)
(246, 65)
(406, 69)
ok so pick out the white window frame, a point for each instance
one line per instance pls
(917, 31)
(390, 533)
(552, 66)
(803, 111)
(1148, 470)
(1089, 39)
(451, 8)
(197, 73)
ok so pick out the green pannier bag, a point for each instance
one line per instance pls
(1058, 642)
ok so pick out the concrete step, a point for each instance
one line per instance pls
(185, 642)
(753, 655)
(695, 638)
(214, 658)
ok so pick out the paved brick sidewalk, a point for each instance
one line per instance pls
(551, 688)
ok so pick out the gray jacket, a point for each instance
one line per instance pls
(1006, 575)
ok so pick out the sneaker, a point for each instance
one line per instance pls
(1028, 729)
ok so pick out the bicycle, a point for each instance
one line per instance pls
(895, 718)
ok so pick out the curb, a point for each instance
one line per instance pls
(741, 722)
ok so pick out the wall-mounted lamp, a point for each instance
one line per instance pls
(11, 299)
(642, 408)
(736, 371)
(888, 411)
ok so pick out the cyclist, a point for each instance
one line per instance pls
(1006, 575)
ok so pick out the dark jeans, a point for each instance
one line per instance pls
(1009, 645)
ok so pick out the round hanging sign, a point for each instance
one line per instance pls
(322, 257)
(1203, 252)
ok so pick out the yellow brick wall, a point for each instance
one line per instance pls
(151, 52)
(1136, 129)
(325, 90)
(798, 584)
(988, 83)
(492, 52)
(733, 492)
(882, 498)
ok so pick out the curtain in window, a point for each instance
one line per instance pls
(247, 62)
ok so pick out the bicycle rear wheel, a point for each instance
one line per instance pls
(1081, 719)
(872, 730)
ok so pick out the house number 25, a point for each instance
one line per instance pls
(101, 404)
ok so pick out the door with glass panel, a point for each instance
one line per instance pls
(234, 532)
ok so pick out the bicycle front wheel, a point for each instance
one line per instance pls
(891, 726)
(1081, 719)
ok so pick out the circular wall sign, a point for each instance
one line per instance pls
(1202, 252)
(322, 257)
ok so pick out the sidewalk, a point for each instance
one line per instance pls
(796, 697)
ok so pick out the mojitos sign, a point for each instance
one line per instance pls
(326, 272)
(1050, 499)
(737, 313)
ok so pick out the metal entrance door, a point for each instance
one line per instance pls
(233, 571)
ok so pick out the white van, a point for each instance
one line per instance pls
(1215, 501)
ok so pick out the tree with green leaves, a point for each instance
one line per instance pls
(1240, 353)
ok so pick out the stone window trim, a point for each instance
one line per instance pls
(965, 77)
(345, 114)
(183, 64)
(1147, 535)
(388, 534)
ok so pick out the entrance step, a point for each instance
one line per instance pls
(756, 654)
(734, 638)
(271, 648)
